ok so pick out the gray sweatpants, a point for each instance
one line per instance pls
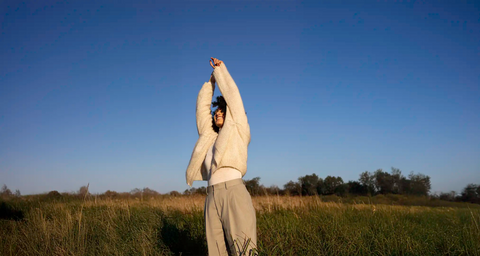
(230, 217)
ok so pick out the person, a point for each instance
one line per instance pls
(220, 158)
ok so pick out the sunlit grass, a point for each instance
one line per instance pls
(286, 226)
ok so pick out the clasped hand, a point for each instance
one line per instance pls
(216, 63)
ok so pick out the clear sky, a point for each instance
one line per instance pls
(92, 92)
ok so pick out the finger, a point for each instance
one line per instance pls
(215, 61)
(212, 65)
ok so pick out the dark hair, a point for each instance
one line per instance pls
(221, 104)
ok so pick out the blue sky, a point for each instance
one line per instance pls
(101, 93)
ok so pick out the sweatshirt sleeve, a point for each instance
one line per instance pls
(203, 113)
(230, 92)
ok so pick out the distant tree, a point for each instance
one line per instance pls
(341, 189)
(383, 182)
(253, 186)
(196, 191)
(406, 186)
(448, 196)
(471, 193)
(5, 191)
(124, 195)
(396, 175)
(320, 186)
(309, 184)
(136, 192)
(17, 193)
(419, 184)
(111, 194)
(389, 183)
(273, 190)
(478, 194)
(83, 191)
(54, 195)
(367, 180)
(201, 191)
(331, 183)
(149, 192)
(174, 193)
(293, 188)
(189, 192)
(356, 188)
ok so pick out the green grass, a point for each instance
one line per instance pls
(286, 226)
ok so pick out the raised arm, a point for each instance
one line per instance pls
(203, 113)
(230, 92)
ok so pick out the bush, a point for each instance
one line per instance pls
(174, 193)
(53, 195)
(110, 194)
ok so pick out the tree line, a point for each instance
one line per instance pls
(369, 184)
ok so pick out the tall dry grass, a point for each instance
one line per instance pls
(286, 226)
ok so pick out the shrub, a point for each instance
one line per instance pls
(53, 195)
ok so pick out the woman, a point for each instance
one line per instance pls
(220, 157)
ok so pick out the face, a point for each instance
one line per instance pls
(219, 118)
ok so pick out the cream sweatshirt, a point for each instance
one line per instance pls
(222, 174)
(231, 144)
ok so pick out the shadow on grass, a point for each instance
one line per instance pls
(184, 234)
(7, 212)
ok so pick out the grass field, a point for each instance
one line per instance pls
(286, 226)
